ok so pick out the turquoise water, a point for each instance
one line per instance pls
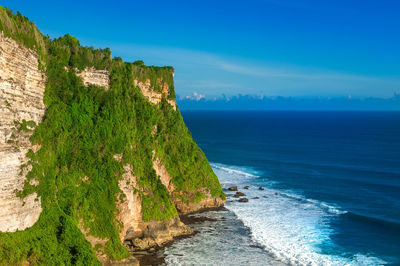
(331, 179)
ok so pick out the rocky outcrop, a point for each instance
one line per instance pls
(92, 76)
(156, 234)
(129, 215)
(207, 201)
(239, 194)
(22, 87)
(162, 172)
(184, 207)
(101, 78)
(130, 207)
(154, 96)
(137, 234)
(234, 188)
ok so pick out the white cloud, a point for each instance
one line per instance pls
(195, 96)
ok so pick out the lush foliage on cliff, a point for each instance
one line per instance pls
(83, 129)
(22, 30)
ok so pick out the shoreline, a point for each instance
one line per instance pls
(153, 255)
(219, 238)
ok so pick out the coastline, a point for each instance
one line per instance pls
(155, 256)
(220, 238)
(289, 219)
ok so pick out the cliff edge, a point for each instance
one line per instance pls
(95, 159)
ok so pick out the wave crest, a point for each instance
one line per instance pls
(288, 225)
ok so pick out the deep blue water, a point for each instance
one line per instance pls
(345, 163)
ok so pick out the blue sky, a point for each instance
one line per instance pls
(265, 47)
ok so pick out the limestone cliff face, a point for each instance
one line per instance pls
(154, 96)
(130, 206)
(92, 76)
(208, 201)
(183, 207)
(137, 234)
(101, 78)
(162, 172)
(22, 87)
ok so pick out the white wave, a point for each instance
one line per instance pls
(244, 172)
(225, 242)
(288, 225)
(330, 208)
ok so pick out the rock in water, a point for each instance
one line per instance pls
(234, 188)
(261, 188)
(246, 187)
(243, 200)
(239, 194)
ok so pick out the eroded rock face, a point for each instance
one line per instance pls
(162, 172)
(154, 96)
(157, 233)
(22, 87)
(92, 76)
(130, 208)
(206, 202)
(135, 233)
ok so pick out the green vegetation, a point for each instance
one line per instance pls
(84, 127)
(156, 75)
(24, 126)
(185, 162)
(22, 30)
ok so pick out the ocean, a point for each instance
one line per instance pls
(331, 193)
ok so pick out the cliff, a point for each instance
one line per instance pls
(95, 159)
(22, 88)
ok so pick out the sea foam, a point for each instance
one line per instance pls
(296, 230)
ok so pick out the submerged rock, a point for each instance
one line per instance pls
(234, 188)
(261, 188)
(256, 198)
(265, 197)
(244, 200)
(246, 187)
(239, 194)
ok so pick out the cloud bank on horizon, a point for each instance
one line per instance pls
(262, 102)
(286, 48)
